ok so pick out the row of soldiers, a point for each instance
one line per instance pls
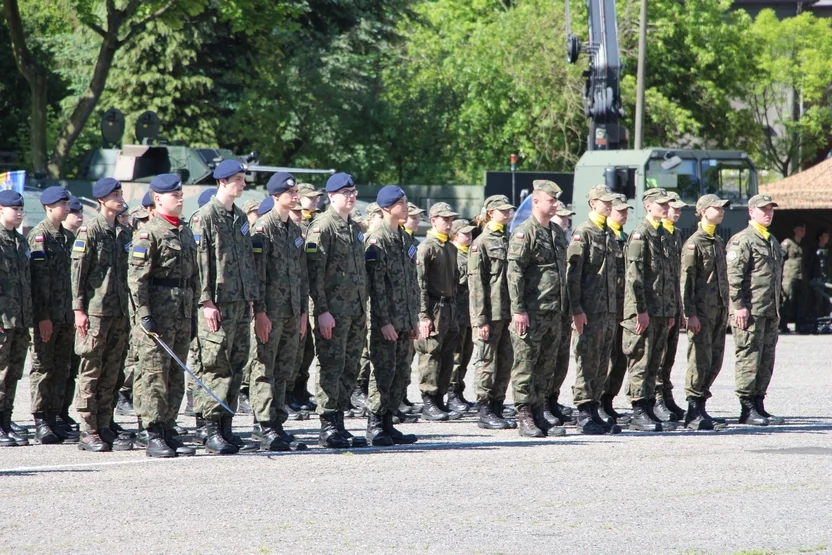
(256, 287)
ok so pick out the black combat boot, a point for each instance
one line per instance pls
(18, 439)
(555, 409)
(749, 414)
(124, 405)
(288, 438)
(64, 432)
(526, 424)
(497, 409)
(671, 405)
(243, 404)
(541, 420)
(700, 405)
(358, 399)
(65, 420)
(5, 439)
(18, 429)
(452, 414)
(189, 402)
(694, 419)
(376, 434)
(606, 403)
(398, 437)
(306, 399)
(410, 408)
(214, 440)
(200, 433)
(772, 420)
(661, 411)
(230, 437)
(43, 431)
(157, 447)
(91, 441)
(456, 404)
(431, 410)
(641, 421)
(115, 441)
(172, 440)
(121, 432)
(295, 414)
(406, 418)
(603, 420)
(141, 435)
(585, 423)
(329, 435)
(270, 440)
(490, 421)
(342, 429)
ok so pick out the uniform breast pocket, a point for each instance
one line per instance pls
(762, 258)
(708, 259)
(597, 252)
(104, 256)
(170, 252)
(497, 257)
(544, 253)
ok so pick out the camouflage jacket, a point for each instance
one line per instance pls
(335, 261)
(673, 245)
(280, 262)
(535, 278)
(436, 271)
(487, 278)
(591, 270)
(224, 254)
(462, 292)
(163, 275)
(704, 276)
(99, 268)
(649, 285)
(51, 267)
(561, 247)
(390, 260)
(792, 260)
(15, 281)
(620, 271)
(755, 272)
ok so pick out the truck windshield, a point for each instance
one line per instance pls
(683, 179)
(732, 179)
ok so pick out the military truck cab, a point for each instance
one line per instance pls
(690, 173)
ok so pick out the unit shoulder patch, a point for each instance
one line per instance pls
(139, 252)
(732, 255)
(79, 246)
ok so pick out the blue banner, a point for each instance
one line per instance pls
(13, 180)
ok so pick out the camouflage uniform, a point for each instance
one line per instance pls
(590, 277)
(390, 258)
(99, 288)
(438, 282)
(306, 346)
(164, 285)
(673, 247)
(704, 295)
(15, 313)
(51, 300)
(490, 304)
(618, 360)
(284, 296)
(792, 281)
(464, 343)
(755, 267)
(228, 279)
(338, 285)
(565, 340)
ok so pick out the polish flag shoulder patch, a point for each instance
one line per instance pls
(691, 247)
(196, 219)
(636, 236)
(474, 249)
(39, 239)
(576, 237)
(520, 235)
(258, 229)
(143, 235)
(316, 230)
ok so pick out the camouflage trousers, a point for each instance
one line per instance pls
(160, 383)
(493, 368)
(338, 360)
(303, 361)
(270, 367)
(644, 356)
(705, 351)
(366, 363)
(462, 358)
(664, 385)
(101, 353)
(436, 352)
(535, 353)
(390, 375)
(194, 362)
(618, 362)
(592, 355)
(131, 362)
(792, 310)
(50, 368)
(13, 351)
(223, 353)
(754, 349)
(562, 358)
(69, 389)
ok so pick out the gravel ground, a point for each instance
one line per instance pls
(459, 490)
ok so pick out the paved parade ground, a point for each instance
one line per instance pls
(460, 490)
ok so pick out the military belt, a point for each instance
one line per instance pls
(170, 282)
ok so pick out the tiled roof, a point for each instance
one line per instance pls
(808, 189)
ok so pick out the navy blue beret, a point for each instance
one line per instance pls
(339, 181)
(389, 195)
(205, 196)
(280, 183)
(227, 168)
(10, 198)
(105, 186)
(53, 194)
(75, 204)
(124, 209)
(147, 201)
(166, 183)
(265, 206)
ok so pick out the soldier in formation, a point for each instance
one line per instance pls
(461, 238)
(793, 282)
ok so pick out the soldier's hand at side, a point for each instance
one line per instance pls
(326, 323)
(262, 327)
(693, 324)
(484, 332)
(45, 329)
(389, 332)
(425, 327)
(521, 323)
(414, 335)
(670, 322)
(741, 318)
(580, 321)
(642, 321)
(82, 323)
(304, 321)
(212, 316)
(683, 323)
(149, 324)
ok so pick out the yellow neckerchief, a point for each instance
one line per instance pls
(761, 229)
(408, 231)
(668, 225)
(442, 237)
(463, 248)
(616, 228)
(653, 223)
(494, 226)
(597, 219)
(710, 229)
(307, 215)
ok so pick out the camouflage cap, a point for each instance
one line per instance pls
(442, 210)
(760, 201)
(620, 203)
(548, 187)
(498, 202)
(463, 226)
(657, 195)
(413, 210)
(675, 200)
(372, 208)
(308, 190)
(706, 201)
(140, 213)
(250, 206)
(563, 210)
(602, 193)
